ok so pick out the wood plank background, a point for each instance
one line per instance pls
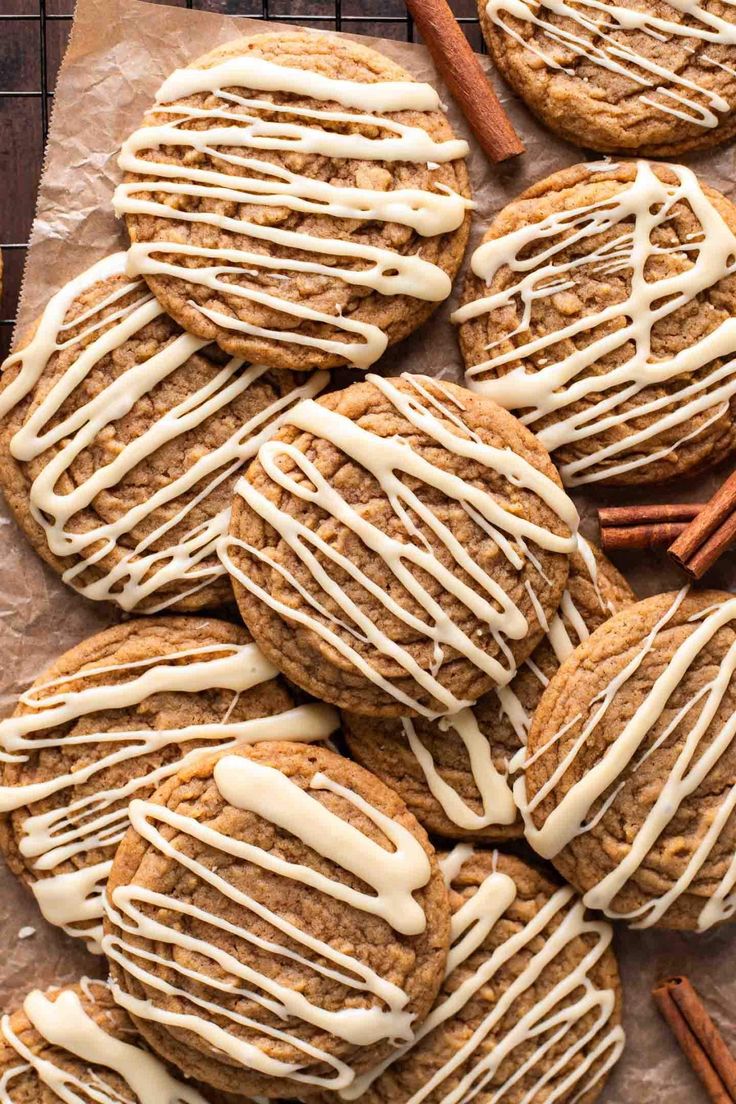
(33, 36)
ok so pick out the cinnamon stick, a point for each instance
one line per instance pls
(465, 78)
(623, 528)
(637, 515)
(700, 1040)
(709, 534)
(630, 537)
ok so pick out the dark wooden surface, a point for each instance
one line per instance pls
(33, 35)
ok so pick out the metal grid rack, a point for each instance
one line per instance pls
(33, 36)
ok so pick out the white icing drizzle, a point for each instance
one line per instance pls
(386, 459)
(394, 875)
(452, 861)
(597, 37)
(146, 568)
(65, 1023)
(236, 123)
(567, 629)
(497, 800)
(494, 789)
(472, 923)
(80, 825)
(647, 203)
(701, 742)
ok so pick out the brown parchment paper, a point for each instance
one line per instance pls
(119, 52)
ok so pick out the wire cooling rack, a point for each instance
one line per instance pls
(33, 35)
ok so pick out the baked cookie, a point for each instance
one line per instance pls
(111, 720)
(297, 198)
(656, 78)
(630, 778)
(396, 547)
(454, 773)
(531, 1006)
(75, 1041)
(121, 438)
(600, 307)
(276, 920)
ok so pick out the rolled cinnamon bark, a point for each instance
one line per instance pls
(709, 534)
(462, 72)
(628, 537)
(616, 516)
(700, 1040)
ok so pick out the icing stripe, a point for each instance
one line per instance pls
(494, 789)
(251, 71)
(496, 798)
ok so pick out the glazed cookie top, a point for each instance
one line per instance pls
(276, 919)
(655, 78)
(629, 779)
(298, 198)
(76, 1040)
(454, 773)
(397, 547)
(111, 720)
(601, 307)
(121, 437)
(531, 1004)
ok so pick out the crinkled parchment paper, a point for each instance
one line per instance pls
(120, 51)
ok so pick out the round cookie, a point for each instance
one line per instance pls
(297, 198)
(630, 779)
(526, 954)
(77, 1039)
(657, 79)
(276, 919)
(600, 307)
(110, 721)
(394, 547)
(454, 773)
(121, 438)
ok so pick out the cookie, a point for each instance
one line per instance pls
(110, 721)
(276, 920)
(656, 79)
(396, 546)
(297, 198)
(76, 1040)
(630, 776)
(454, 774)
(600, 307)
(121, 438)
(531, 1006)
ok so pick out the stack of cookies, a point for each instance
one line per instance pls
(281, 824)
